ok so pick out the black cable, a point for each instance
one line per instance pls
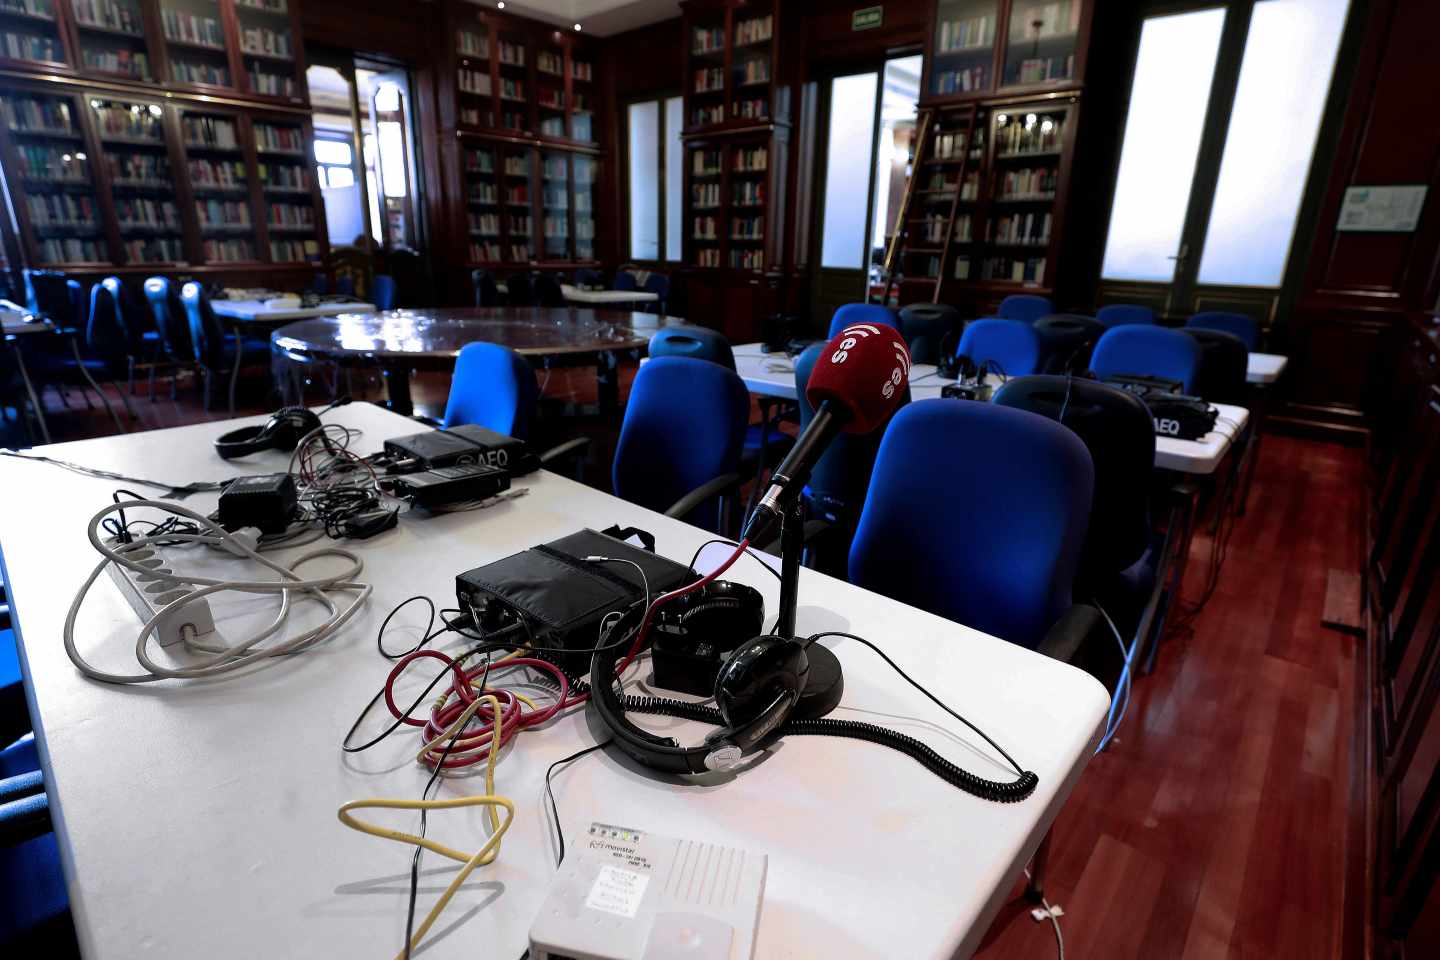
(426, 635)
(550, 794)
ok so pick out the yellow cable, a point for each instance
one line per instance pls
(484, 855)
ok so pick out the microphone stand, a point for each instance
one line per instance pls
(824, 682)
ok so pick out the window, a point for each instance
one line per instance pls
(653, 129)
(849, 160)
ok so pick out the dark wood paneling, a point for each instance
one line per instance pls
(406, 31)
(827, 37)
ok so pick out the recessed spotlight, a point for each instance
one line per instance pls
(577, 28)
(501, 4)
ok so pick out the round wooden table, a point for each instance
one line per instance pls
(399, 341)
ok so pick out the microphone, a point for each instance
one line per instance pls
(855, 386)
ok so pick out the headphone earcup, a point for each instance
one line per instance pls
(289, 424)
(755, 675)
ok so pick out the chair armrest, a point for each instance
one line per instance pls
(570, 448)
(713, 488)
(1083, 639)
(24, 819)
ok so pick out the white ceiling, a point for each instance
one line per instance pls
(601, 18)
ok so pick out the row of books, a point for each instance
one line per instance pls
(754, 30)
(475, 117)
(552, 127)
(969, 187)
(484, 224)
(512, 89)
(193, 71)
(473, 44)
(1040, 135)
(110, 14)
(25, 46)
(554, 168)
(52, 164)
(284, 176)
(747, 228)
(210, 132)
(518, 196)
(519, 224)
(556, 227)
(1040, 20)
(271, 84)
(146, 212)
(1028, 183)
(512, 54)
(1023, 228)
(484, 252)
(555, 198)
(222, 174)
(61, 209)
(517, 166)
(748, 193)
(483, 193)
(154, 250)
(70, 250)
(971, 33)
(752, 160)
(268, 136)
(747, 259)
(949, 146)
(512, 120)
(44, 9)
(706, 228)
(290, 215)
(1028, 270)
(1042, 69)
(230, 250)
(274, 43)
(961, 81)
(473, 81)
(479, 161)
(707, 257)
(222, 213)
(708, 40)
(754, 70)
(704, 196)
(138, 168)
(269, 6)
(584, 228)
(582, 71)
(757, 108)
(705, 163)
(931, 229)
(704, 116)
(709, 79)
(551, 98)
(27, 114)
(294, 251)
(188, 27)
(963, 233)
(126, 63)
(551, 63)
(133, 122)
(583, 203)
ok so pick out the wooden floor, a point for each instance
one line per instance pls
(1215, 824)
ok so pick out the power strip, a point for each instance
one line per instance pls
(149, 593)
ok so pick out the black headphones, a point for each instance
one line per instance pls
(956, 367)
(282, 432)
(757, 687)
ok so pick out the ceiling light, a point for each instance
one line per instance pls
(577, 28)
(501, 4)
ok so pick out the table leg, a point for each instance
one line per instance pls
(397, 387)
(607, 383)
(30, 391)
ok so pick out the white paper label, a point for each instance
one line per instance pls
(618, 891)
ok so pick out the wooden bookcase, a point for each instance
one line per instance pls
(523, 100)
(105, 178)
(736, 135)
(1000, 109)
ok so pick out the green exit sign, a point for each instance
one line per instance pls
(867, 19)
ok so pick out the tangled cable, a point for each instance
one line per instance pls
(185, 588)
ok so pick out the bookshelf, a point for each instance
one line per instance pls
(522, 98)
(736, 137)
(155, 183)
(111, 40)
(32, 34)
(988, 48)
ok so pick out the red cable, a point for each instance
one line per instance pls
(667, 597)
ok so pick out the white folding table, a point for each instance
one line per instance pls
(199, 819)
(262, 311)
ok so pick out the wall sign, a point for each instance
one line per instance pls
(867, 19)
(1381, 209)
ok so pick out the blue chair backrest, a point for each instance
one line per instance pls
(587, 277)
(658, 284)
(1120, 314)
(487, 294)
(1011, 345)
(1025, 306)
(105, 335)
(701, 343)
(994, 548)
(852, 313)
(1235, 324)
(169, 317)
(625, 280)
(1147, 351)
(382, 291)
(929, 329)
(684, 426)
(133, 315)
(206, 335)
(842, 475)
(49, 293)
(493, 387)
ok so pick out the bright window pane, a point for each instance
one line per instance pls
(341, 177)
(849, 154)
(1284, 79)
(644, 129)
(333, 152)
(392, 158)
(674, 178)
(1168, 97)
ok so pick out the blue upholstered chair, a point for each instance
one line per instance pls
(1121, 314)
(658, 284)
(1147, 350)
(862, 313)
(35, 918)
(680, 442)
(625, 280)
(994, 548)
(1224, 364)
(493, 387)
(929, 328)
(1024, 306)
(1235, 324)
(487, 293)
(382, 291)
(1012, 346)
(168, 316)
(702, 343)
(547, 291)
(215, 351)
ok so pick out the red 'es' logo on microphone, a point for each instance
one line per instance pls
(858, 333)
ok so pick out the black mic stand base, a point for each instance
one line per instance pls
(825, 683)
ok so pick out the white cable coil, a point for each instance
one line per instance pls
(183, 589)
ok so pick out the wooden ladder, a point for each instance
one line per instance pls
(902, 215)
(955, 202)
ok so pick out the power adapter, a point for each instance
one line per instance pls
(267, 502)
(447, 485)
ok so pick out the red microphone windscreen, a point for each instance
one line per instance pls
(865, 368)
